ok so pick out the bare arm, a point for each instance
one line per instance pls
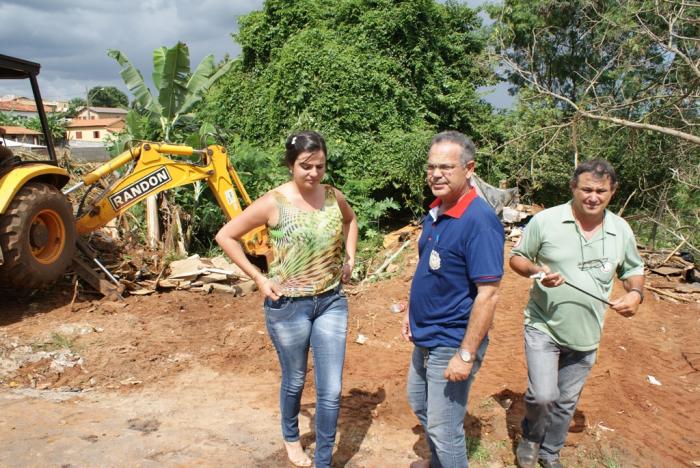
(350, 234)
(228, 238)
(480, 320)
(628, 304)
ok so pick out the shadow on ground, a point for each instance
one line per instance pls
(513, 403)
(355, 419)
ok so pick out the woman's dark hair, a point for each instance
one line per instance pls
(306, 141)
(599, 168)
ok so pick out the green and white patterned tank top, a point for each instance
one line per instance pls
(307, 247)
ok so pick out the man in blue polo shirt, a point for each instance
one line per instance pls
(453, 298)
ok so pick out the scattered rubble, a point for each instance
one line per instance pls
(14, 355)
(75, 329)
(672, 276)
(653, 380)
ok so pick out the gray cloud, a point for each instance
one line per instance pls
(70, 38)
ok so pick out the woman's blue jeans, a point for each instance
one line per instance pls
(294, 325)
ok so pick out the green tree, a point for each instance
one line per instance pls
(629, 63)
(57, 126)
(107, 96)
(377, 78)
(611, 79)
(56, 122)
(73, 106)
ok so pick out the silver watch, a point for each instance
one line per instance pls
(466, 355)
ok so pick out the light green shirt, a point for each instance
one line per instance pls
(552, 238)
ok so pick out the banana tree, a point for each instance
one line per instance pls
(179, 89)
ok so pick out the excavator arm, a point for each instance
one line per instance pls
(155, 172)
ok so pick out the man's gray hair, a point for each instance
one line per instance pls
(468, 150)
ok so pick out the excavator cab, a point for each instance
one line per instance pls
(12, 68)
(37, 228)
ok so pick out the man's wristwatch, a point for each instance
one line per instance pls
(640, 292)
(465, 355)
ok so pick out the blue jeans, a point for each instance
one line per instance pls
(555, 379)
(441, 405)
(294, 324)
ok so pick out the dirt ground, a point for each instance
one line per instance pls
(187, 379)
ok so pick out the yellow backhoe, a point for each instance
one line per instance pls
(38, 230)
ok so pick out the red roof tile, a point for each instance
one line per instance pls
(117, 122)
(9, 106)
(10, 130)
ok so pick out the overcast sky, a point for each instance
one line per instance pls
(70, 38)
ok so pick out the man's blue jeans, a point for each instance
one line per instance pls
(441, 405)
(555, 379)
(320, 322)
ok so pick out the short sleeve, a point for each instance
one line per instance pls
(530, 241)
(632, 263)
(485, 255)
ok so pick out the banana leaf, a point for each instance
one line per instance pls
(171, 70)
(135, 82)
(201, 85)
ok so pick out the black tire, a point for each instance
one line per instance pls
(37, 237)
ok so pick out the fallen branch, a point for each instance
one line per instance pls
(388, 261)
(75, 293)
(673, 252)
(155, 284)
(668, 294)
(675, 234)
(622, 210)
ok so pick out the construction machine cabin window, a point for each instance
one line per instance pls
(21, 132)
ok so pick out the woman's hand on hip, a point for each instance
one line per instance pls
(268, 287)
(347, 272)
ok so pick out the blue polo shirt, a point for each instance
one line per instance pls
(466, 246)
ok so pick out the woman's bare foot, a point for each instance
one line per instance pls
(421, 464)
(296, 454)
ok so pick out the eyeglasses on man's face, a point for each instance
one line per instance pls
(443, 168)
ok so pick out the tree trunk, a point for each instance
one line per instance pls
(153, 228)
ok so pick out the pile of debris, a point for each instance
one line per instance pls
(199, 274)
(672, 276)
(506, 203)
(515, 218)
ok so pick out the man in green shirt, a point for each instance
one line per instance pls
(582, 244)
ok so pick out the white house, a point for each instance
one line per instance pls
(94, 129)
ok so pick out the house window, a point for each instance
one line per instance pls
(78, 135)
(96, 134)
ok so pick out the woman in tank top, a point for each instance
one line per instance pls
(305, 306)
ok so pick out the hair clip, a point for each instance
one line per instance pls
(294, 140)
